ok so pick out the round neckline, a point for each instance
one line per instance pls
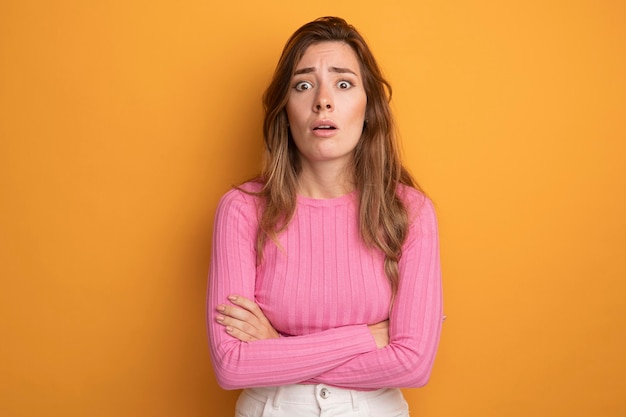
(327, 202)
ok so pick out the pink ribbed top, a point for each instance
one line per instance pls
(320, 291)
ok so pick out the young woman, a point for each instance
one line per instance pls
(324, 292)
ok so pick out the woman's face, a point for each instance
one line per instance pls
(326, 103)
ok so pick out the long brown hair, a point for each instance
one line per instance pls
(376, 167)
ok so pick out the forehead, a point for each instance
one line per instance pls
(336, 54)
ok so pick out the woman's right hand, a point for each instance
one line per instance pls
(380, 331)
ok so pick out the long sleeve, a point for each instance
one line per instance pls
(272, 362)
(416, 317)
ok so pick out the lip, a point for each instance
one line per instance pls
(324, 133)
(323, 122)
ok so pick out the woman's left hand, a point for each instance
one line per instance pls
(245, 320)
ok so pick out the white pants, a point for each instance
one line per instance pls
(302, 400)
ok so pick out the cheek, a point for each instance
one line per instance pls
(288, 112)
(357, 106)
(293, 112)
(364, 105)
(359, 113)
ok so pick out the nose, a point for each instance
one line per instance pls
(323, 100)
(320, 106)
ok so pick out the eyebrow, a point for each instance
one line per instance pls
(309, 70)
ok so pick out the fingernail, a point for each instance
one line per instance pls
(232, 297)
(229, 329)
(220, 318)
(221, 308)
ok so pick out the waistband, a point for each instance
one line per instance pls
(309, 393)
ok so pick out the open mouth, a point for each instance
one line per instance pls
(324, 126)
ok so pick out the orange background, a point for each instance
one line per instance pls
(123, 122)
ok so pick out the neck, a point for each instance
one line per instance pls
(324, 181)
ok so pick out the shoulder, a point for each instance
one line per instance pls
(242, 198)
(419, 206)
(414, 199)
(245, 193)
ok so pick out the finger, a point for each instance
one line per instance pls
(251, 306)
(248, 305)
(236, 312)
(252, 322)
(238, 334)
(238, 326)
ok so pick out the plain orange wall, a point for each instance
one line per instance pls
(123, 122)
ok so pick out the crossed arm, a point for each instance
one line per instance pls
(247, 351)
(244, 320)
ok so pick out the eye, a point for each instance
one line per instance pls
(344, 85)
(303, 86)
